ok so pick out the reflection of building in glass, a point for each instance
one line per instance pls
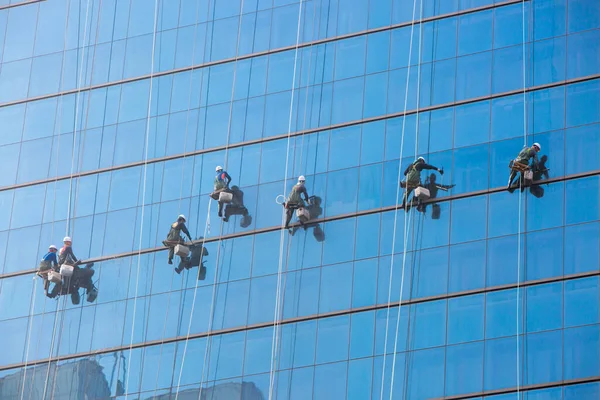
(86, 379)
(83, 379)
(221, 391)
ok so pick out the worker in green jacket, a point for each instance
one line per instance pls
(525, 156)
(295, 201)
(413, 177)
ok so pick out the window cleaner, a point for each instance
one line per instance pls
(221, 191)
(73, 277)
(521, 165)
(413, 181)
(296, 203)
(175, 241)
(48, 264)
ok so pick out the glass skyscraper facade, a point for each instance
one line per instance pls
(115, 113)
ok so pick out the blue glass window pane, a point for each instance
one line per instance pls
(464, 212)
(465, 319)
(378, 50)
(332, 339)
(502, 261)
(330, 381)
(342, 248)
(375, 95)
(581, 302)
(470, 169)
(544, 307)
(579, 141)
(473, 75)
(581, 352)
(439, 39)
(508, 25)
(507, 117)
(362, 335)
(426, 374)
(544, 254)
(347, 100)
(350, 58)
(428, 324)
(369, 191)
(507, 72)
(464, 368)
(365, 273)
(543, 358)
(500, 364)
(582, 209)
(549, 60)
(548, 109)
(344, 147)
(359, 379)
(432, 262)
(467, 266)
(583, 103)
(583, 14)
(582, 57)
(550, 18)
(582, 251)
(475, 32)
(501, 314)
(298, 343)
(472, 124)
(352, 16)
(336, 288)
(441, 124)
(583, 391)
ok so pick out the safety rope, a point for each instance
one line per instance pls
(181, 182)
(521, 179)
(276, 316)
(146, 145)
(29, 329)
(207, 225)
(406, 218)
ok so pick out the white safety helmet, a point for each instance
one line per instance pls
(181, 216)
(67, 239)
(538, 146)
(420, 159)
(301, 179)
(52, 247)
(219, 168)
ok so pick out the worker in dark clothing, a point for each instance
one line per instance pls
(81, 277)
(413, 177)
(295, 201)
(49, 262)
(236, 207)
(174, 237)
(522, 163)
(433, 187)
(221, 184)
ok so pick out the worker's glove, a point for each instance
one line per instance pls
(441, 171)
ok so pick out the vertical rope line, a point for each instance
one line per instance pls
(214, 292)
(180, 187)
(28, 341)
(77, 97)
(59, 124)
(412, 26)
(524, 37)
(146, 144)
(308, 86)
(275, 337)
